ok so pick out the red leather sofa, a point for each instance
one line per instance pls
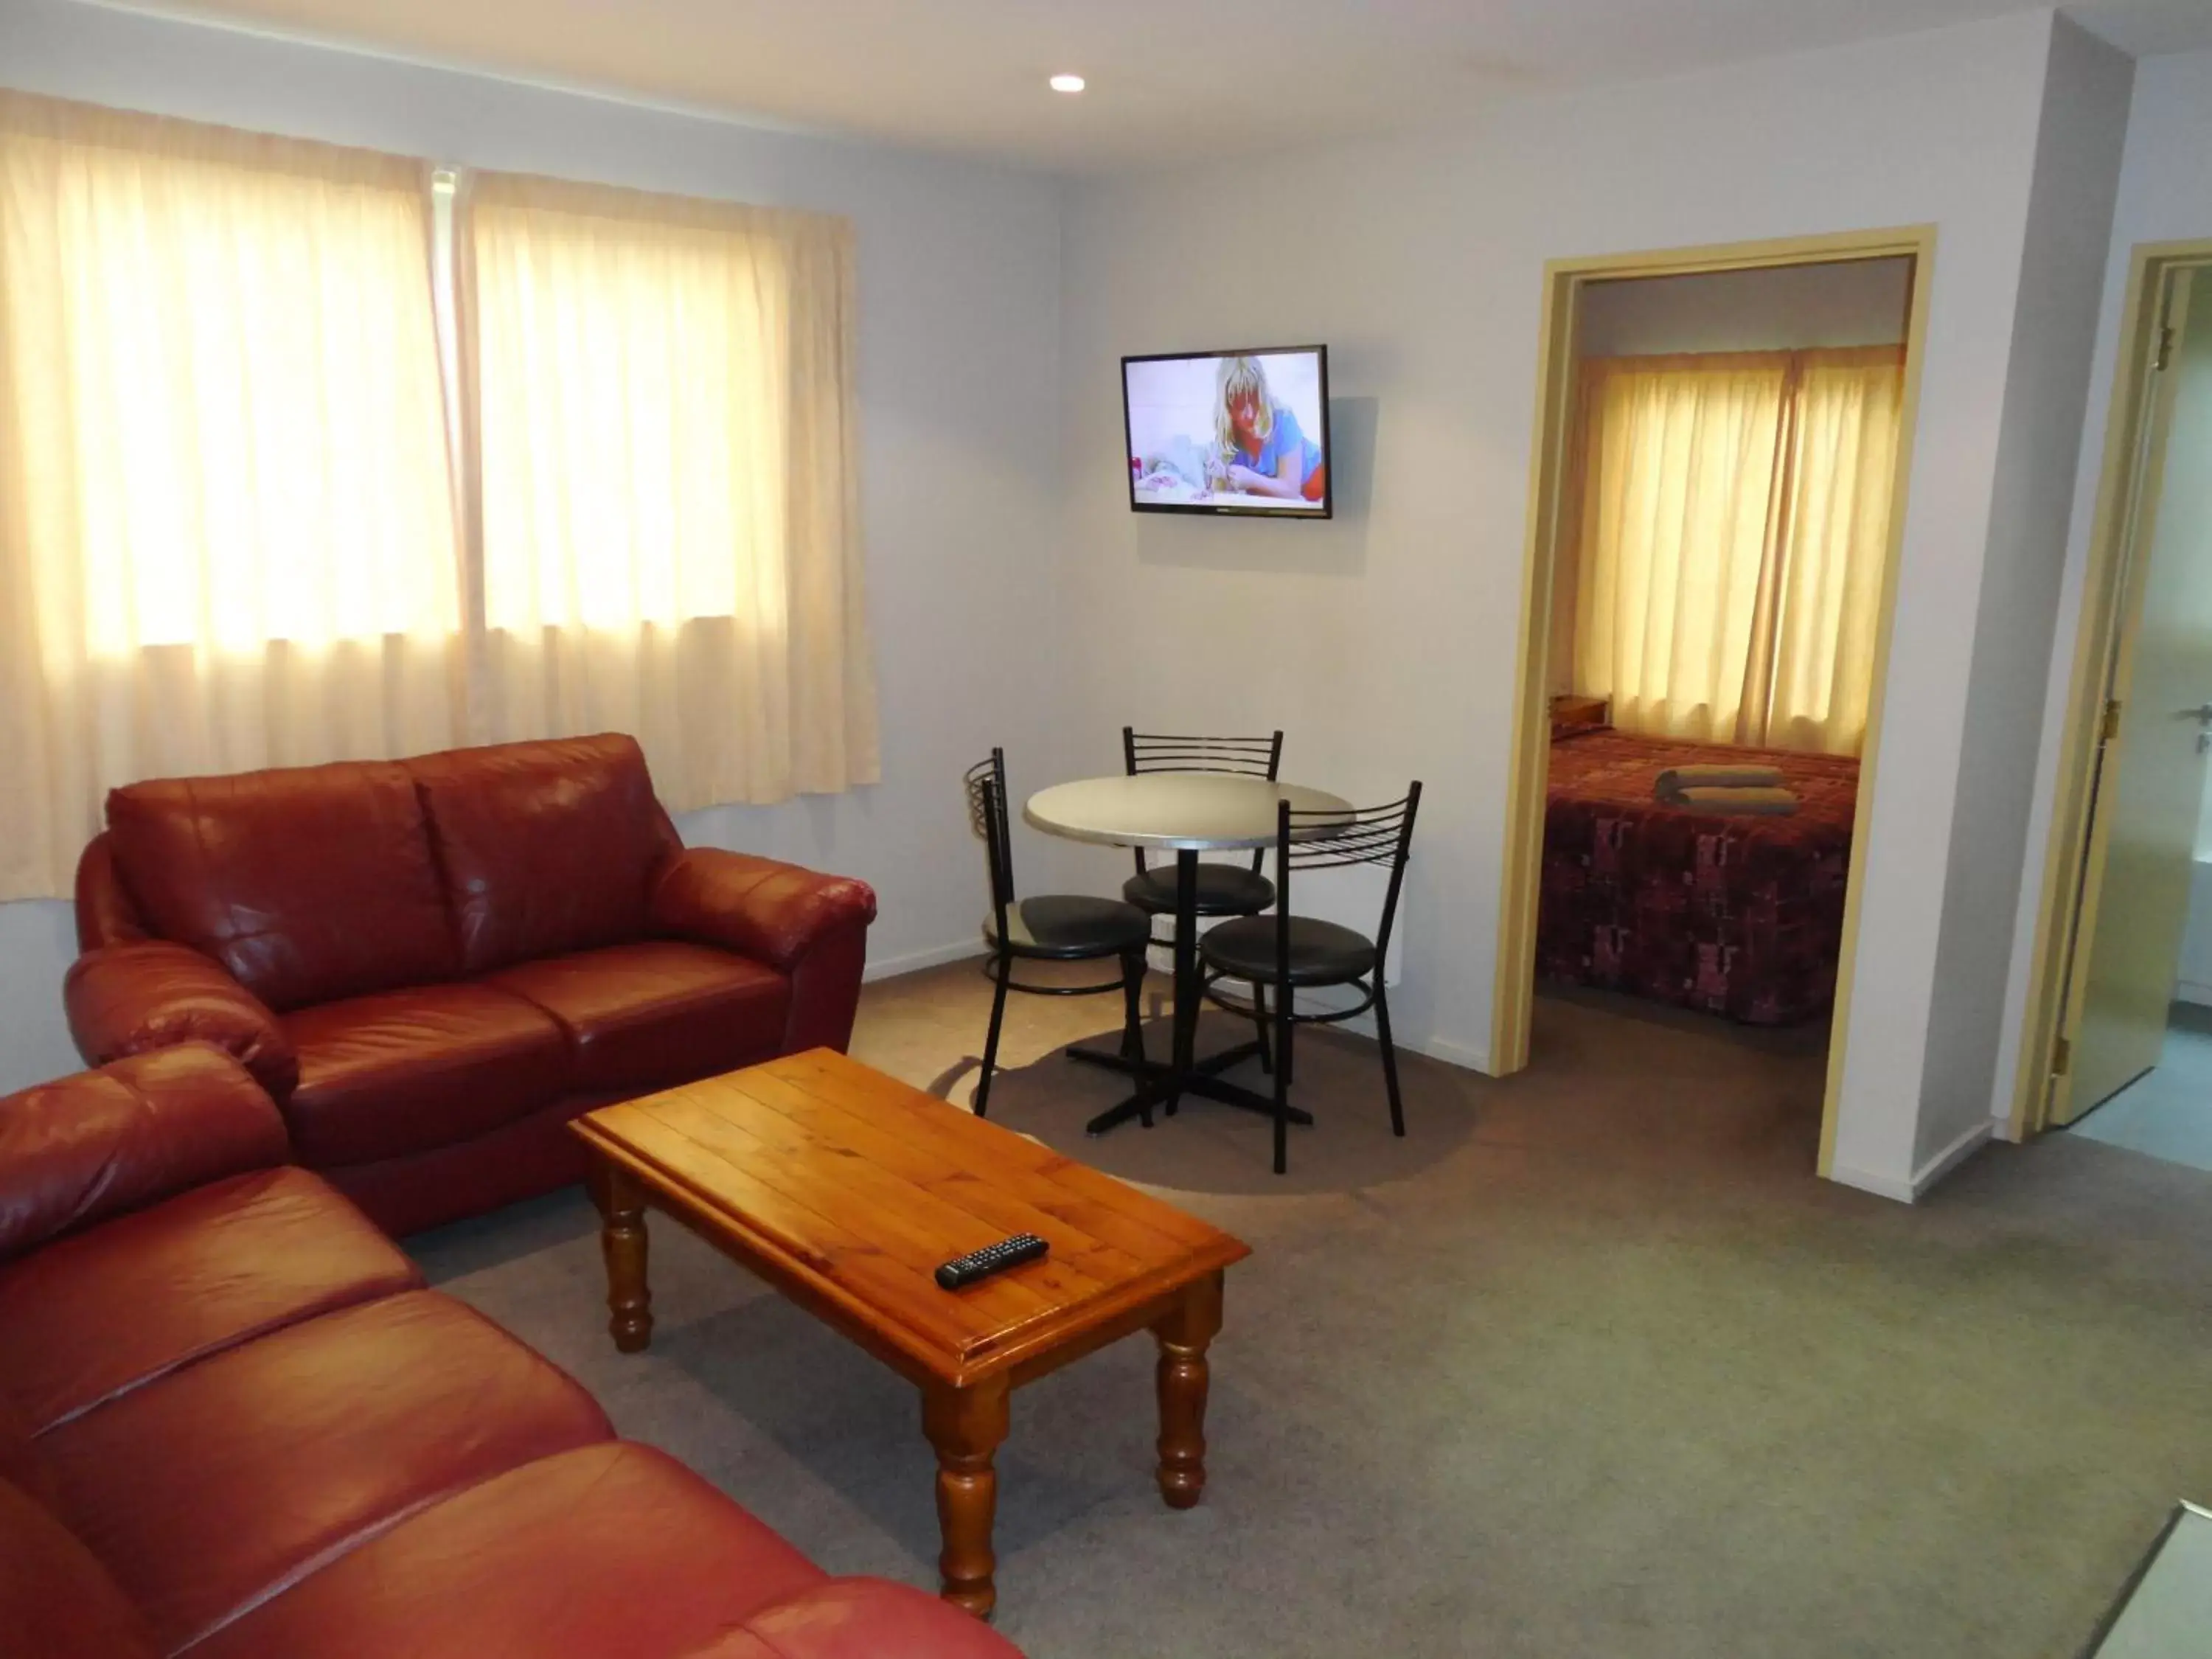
(432, 966)
(233, 1421)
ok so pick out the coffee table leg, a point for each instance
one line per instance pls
(622, 1240)
(966, 1426)
(1183, 1335)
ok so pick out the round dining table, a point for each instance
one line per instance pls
(1185, 813)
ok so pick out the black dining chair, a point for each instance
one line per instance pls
(1223, 889)
(1293, 952)
(1054, 927)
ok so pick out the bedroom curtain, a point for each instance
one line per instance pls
(1679, 461)
(1847, 422)
(659, 408)
(227, 533)
(1732, 513)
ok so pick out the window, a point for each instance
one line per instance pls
(662, 414)
(1734, 510)
(306, 456)
(232, 432)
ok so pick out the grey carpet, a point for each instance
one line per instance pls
(1588, 1365)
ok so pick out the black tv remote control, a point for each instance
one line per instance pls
(965, 1270)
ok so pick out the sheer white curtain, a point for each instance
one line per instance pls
(661, 408)
(1848, 422)
(227, 533)
(1679, 457)
(1733, 509)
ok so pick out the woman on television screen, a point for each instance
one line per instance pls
(1263, 445)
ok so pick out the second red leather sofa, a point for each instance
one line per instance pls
(235, 1424)
(432, 966)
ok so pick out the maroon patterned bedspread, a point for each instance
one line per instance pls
(1739, 916)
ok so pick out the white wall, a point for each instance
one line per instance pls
(2077, 163)
(1384, 642)
(1857, 302)
(2165, 196)
(959, 294)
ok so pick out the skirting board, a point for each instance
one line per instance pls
(2190, 991)
(914, 961)
(1925, 1178)
(1463, 1056)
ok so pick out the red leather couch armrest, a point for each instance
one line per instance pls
(772, 912)
(84, 1148)
(862, 1619)
(125, 1000)
(811, 927)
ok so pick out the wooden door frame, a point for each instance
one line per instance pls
(2107, 628)
(1512, 1004)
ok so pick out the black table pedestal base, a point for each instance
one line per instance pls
(1164, 1084)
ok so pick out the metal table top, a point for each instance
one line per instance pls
(1179, 812)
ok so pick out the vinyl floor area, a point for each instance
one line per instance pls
(2167, 1112)
(1588, 1364)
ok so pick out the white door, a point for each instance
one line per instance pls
(2150, 790)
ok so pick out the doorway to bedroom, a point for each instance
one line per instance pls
(1723, 440)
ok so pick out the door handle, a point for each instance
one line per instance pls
(2201, 714)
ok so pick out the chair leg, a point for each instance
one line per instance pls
(1389, 1056)
(991, 1042)
(1133, 1028)
(1283, 1013)
(1133, 1001)
(1260, 1024)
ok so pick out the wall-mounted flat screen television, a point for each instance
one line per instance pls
(1241, 432)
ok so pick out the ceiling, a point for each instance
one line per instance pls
(1172, 81)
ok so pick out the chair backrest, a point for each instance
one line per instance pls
(1322, 838)
(986, 785)
(1162, 751)
(1156, 751)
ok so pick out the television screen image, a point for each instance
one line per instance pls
(1242, 432)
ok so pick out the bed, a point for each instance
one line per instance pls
(1737, 916)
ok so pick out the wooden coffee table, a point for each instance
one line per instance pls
(845, 1188)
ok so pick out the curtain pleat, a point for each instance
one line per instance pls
(1835, 530)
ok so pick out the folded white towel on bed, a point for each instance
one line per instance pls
(1670, 783)
(1744, 802)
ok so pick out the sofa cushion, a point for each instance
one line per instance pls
(104, 1311)
(546, 847)
(18, 1464)
(657, 1013)
(216, 1487)
(55, 1602)
(607, 1553)
(309, 884)
(408, 1070)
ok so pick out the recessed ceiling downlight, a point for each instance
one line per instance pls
(1066, 84)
